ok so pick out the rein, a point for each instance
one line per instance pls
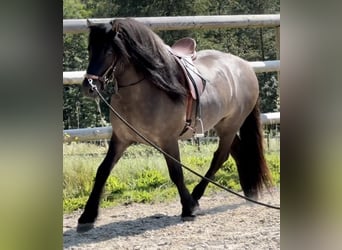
(94, 87)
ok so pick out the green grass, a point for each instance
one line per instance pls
(141, 175)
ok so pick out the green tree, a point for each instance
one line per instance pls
(78, 111)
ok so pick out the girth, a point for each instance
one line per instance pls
(184, 51)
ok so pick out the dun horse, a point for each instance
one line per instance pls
(152, 94)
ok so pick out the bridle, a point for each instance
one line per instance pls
(104, 78)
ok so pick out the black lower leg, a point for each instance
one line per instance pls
(91, 208)
(242, 164)
(189, 205)
(220, 156)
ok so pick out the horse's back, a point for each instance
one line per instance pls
(214, 62)
(227, 71)
(232, 88)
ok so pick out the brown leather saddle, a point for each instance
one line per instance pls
(184, 51)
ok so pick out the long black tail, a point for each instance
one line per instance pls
(252, 167)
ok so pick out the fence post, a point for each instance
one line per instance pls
(277, 41)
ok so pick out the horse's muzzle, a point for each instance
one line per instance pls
(88, 86)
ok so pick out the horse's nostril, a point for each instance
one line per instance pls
(90, 91)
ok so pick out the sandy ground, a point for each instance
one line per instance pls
(224, 222)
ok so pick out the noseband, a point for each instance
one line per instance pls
(104, 78)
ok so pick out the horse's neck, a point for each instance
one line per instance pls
(128, 76)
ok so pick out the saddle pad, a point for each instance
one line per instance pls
(195, 82)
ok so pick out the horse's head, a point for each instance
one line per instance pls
(102, 60)
(127, 48)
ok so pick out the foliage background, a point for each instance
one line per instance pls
(141, 174)
(250, 44)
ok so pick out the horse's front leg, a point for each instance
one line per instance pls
(189, 205)
(89, 215)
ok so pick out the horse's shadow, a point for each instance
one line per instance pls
(133, 227)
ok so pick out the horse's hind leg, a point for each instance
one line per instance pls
(236, 152)
(220, 156)
(88, 217)
(189, 205)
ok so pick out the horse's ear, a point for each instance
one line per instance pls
(114, 27)
(88, 23)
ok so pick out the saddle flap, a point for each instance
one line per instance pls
(195, 82)
(185, 47)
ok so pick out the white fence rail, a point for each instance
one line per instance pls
(101, 133)
(76, 77)
(184, 22)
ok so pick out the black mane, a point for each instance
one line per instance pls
(136, 43)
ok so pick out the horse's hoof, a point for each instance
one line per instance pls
(188, 218)
(192, 215)
(197, 211)
(82, 228)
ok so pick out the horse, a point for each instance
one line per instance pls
(152, 95)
